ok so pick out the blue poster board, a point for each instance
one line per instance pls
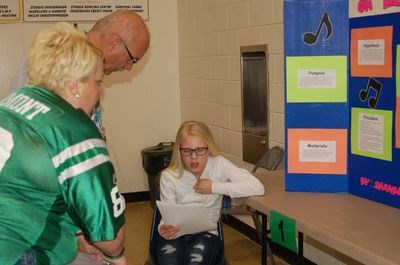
(374, 171)
(315, 28)
(335, 144)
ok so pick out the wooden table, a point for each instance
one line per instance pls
(364, 230)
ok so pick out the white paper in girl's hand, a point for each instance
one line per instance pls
(190, 219)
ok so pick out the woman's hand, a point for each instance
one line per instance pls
(203, 186)
(168, 232)
(90, 249)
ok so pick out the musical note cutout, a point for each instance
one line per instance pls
(374, 85)
(310, 38)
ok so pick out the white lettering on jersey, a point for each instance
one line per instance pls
(6, 145)
(24, 105)
(118, 202)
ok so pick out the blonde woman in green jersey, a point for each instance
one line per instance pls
(56, 176)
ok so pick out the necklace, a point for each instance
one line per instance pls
(97, 119)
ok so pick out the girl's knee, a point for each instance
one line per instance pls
(205, 250)
(168, 254)
(168, 249)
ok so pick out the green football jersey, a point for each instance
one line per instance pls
(56, 178)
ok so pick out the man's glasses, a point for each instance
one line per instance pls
(133, 59)
(200, 151)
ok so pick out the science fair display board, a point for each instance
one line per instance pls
(316, 110)
(374, 97)
(343, 97)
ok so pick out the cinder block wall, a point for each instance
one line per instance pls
(210, 35)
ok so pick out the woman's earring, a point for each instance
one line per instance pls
(77, 96)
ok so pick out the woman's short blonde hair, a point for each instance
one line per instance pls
(193, 128)
(61, 53)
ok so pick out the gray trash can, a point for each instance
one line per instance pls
(154, 160)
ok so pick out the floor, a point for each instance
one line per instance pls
(239, 249)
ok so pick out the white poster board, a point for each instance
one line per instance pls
(363, 8)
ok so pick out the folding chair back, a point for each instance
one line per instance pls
(271, 159)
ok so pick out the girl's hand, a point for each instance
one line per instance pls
(203, 186)
(168, 232)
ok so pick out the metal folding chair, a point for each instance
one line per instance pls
(271, 160)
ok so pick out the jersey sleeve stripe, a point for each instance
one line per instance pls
(77, 149)
(86, 165)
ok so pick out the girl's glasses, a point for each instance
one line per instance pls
(200, 151)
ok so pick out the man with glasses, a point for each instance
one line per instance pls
(123, 38)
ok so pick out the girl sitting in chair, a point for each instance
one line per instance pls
(199, 174)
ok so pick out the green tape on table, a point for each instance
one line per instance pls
(283, 230)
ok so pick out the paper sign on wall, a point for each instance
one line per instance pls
(10, 10)
(79, 10)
